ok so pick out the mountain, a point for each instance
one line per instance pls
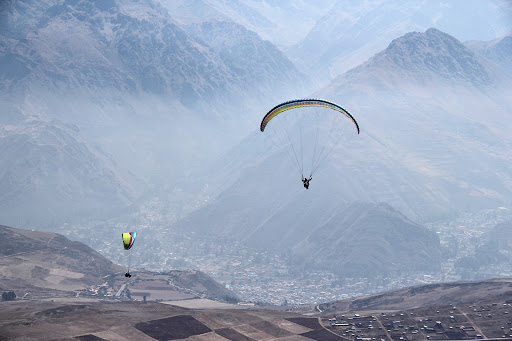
(368, 240)
(421, 58)
(422, 98)
(350, 32)
(137, 85)
(354, 240)
(254, 59)
(283, 23)
(117, 46)
(424, 149)
(498, 50)
(52, 176)
(129, 48)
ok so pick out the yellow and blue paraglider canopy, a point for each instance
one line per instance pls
(298, 103)
(309, 130)
(128, 239)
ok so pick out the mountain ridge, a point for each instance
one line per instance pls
(421, 58)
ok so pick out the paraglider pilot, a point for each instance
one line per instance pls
(306, 182)
(127, 275)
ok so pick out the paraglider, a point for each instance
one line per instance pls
(310, 133)
(128, 240)
(306, 182)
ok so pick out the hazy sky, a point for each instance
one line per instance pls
(476, 19)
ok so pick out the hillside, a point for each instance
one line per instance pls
(491, 251)
(356, 240)
(427, 93)
(66, 290)
(498, 50)
(35, 262)
(56, 175)
(366, 240)
(453, 311)
(40, 265)
(430, 295)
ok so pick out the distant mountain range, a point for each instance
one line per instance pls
(350, 32)
(283, 23)
(429, 103)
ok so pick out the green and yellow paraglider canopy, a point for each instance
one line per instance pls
(129, 239)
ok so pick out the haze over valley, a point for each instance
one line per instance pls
(144, 115)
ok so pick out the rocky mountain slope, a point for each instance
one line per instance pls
(54, 174)
(369, 240)
(42, 261)
(137, 85)
(257, 61)
(128, 47)
(434, 106)
(498, 50)
(353, 240)
(351, 32)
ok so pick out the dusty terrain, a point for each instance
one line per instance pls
(148, 321)
(60, 298)
(427, 295)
